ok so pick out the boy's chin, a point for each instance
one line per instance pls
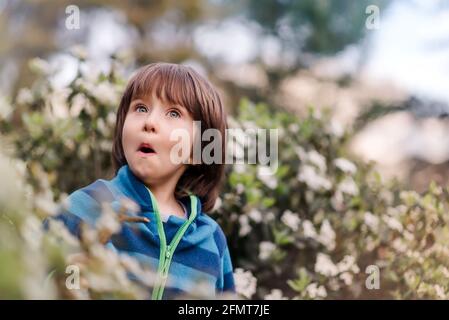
(145, 169)
(148, 174)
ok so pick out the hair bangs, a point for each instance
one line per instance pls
(168, 83)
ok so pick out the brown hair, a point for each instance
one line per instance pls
(178, 84)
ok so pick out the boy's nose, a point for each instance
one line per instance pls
(151, 122)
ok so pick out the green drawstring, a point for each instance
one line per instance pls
(166, 251)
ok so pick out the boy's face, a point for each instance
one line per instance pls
(152, 121)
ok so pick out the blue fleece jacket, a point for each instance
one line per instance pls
(201, 255)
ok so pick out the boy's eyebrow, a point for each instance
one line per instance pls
(138, 100)
(134, 101)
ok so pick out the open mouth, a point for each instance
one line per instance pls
(146, 148)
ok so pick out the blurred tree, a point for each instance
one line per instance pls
(322, 26)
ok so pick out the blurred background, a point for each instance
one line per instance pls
(291, 54)
(365, 80)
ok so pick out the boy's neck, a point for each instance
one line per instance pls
(166, 200)
(162, 196)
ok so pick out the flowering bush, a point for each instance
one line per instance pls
(324, 225)
(55, 264)
(66, 132)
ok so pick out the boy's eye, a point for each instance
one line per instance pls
(174, 114)
(139, 108)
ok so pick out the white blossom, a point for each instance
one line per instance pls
(347, 278)
(325, 266)
(266, 249)
(110, 118)
(108, 220)
(146, 276)
(337, 200)
(239, 168)
(348, 263)
(334, 284)
(345, 165)
(44, 202)
(24, 96)
(348, 186)
(308, 175)
(309, 229)
(445, 271)
(267, 176)
(439, 290)
(409, 236)
(5, 108)
(399, 245)
(105, 145)
(32, 232)
(393, 223)
(245, 283)
(291, 220)
(336, 128)
(39, 65)
(317, 159)
(84, 151)
(101, 126)
(275, 294)
(245, 227)
(58, 102)
(79, 103)
(371, 221)
(239, 188)
(269, 216)
(393, 211)
(327, 235)
(58, 229)
(105, 93)
(302, 154)
(79, 52)
(249, 125)
(255, 215)
(315, 291)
